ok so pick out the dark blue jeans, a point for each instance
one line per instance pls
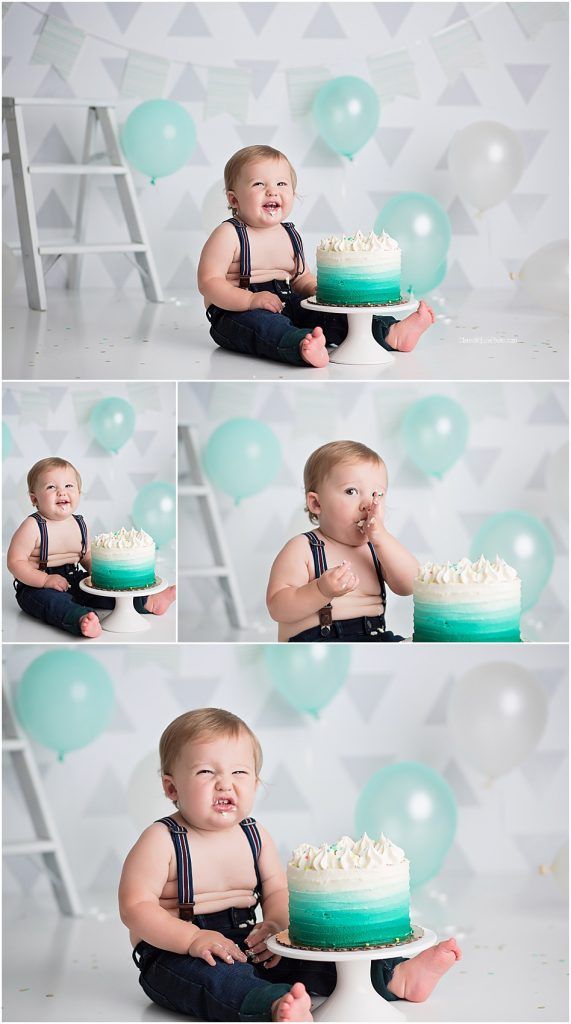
(235, 992)
(356, 631)
(277, 336)
(64, 608)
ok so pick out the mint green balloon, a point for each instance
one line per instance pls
(7, 442)
(415, 808)
(154, 510)
(64, 700)
(346, 113)
(307, 675)
(112, 423)
(434, 432)
(158, 138)
(421, 227)
(242, 456)
(424, 279)
(524, 543)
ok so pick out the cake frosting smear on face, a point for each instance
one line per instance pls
(347, 895)
(124, 560)
(358, 270)
(467, 601)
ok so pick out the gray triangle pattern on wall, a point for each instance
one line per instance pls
(189, 23)
(324, 25)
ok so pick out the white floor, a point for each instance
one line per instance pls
(20, 628)
(513, 932)
(111, 335)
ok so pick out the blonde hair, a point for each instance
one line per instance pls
(324, 459)
(194, 725)
(44, 465)
(247, 156)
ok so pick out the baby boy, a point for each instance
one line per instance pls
(330, 584)
(193, 880)
(49, 555)
(253, 275)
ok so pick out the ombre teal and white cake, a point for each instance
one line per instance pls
(467, 601)
(349, 895)
(358, 270)
(124, 560)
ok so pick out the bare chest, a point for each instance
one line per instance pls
(271, 255)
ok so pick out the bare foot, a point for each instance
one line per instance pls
(157, 604)
(296, 1005)
(312, 348)
(414, 979)
(90, 625)
(404, 335)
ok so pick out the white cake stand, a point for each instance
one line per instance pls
(360, 347)
(354, 998)
(123, 618)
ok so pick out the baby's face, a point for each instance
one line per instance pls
(214, 782)
(263, 195)
(344, 498)
(56, 494)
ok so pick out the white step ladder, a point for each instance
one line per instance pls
(47, 842)
(22, 173)
(200, 489)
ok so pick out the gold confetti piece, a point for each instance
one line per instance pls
(23, 990)
(49, 995)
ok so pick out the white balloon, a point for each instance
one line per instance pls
(545, 276)
(214, 207)
(145, 798)
(497, 714)
(10, 269)
(557, 476)
(486, 162)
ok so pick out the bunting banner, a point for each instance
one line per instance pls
(144, 76)
(228, 92)
(59, 45)
(144, 395)
(393, 74)
(302, 85)
(35, 407)
(532, 17)
(458, 48)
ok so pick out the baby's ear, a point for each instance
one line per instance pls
(169, 788)
(313, 503)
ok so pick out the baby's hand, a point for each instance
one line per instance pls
(338, 581)
(372, 524)
(267, 300)
(209, 944)
(256, 943)
(56, 582)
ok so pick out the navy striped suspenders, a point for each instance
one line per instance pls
(245, 259)
(379, 575)
(179, 837)
(81, 523)
(43, 526)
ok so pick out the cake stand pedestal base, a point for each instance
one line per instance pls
(123, 618)
(360, 347)
(354, 998)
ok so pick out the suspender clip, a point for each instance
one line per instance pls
(186, 911)
(244, 282)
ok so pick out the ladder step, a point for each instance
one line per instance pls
(12, 743)
(114, 169)
(30, 101)
(208, 571)
(29, 846)
(82, 249)
(193, 490)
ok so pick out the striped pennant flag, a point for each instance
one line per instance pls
(532, 17)
(302, 85)
(392, 74)
(228, 92)
(457, 49)
(59, 45)
(144, 76)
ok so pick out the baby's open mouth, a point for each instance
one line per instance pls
(223, 804)
(271, 207)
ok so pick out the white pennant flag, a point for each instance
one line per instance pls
(458, 48)
(532, 17)
(393, 74)
(302, 85)
(59, 45)
(228, 92)
(144, 76)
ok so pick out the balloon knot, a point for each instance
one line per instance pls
(153, 181)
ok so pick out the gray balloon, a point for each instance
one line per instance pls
(486, 163)
(497, 715)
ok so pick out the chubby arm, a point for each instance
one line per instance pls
(275, 902)
(19, 553)
(145, 873)
(291, 595)
(399, 564)
(305, 285)
(86, 560)
(215, 259)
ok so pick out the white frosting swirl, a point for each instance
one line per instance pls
(467, 572)
(123, 539)
(347, 855)
(358, 243)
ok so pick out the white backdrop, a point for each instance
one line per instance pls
(313, 770)
(47, 420)
(514, 429)
(522, 83)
